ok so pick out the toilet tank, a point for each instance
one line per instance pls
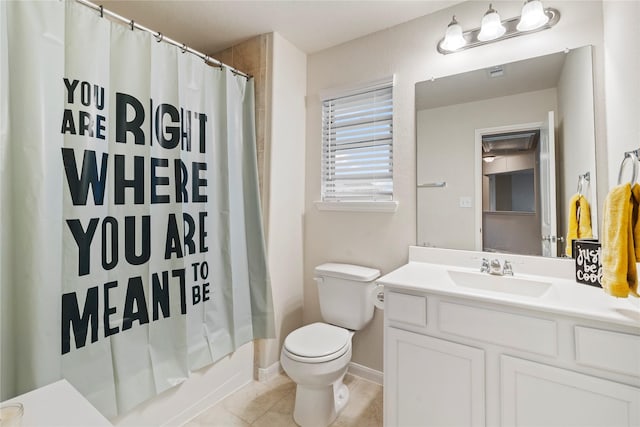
(345, 292)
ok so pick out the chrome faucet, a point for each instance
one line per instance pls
(507, 270)
(494, 267)
(484, 268)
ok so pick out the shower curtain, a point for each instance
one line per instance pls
(132, 247)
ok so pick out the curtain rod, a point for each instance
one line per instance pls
(160, 37)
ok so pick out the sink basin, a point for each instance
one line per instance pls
(503, 284)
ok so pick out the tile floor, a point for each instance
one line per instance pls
(270, 404)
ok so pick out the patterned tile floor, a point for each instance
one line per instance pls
(270, 404)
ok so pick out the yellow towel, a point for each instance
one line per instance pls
(635, 193)
(579, 221)
(618, 249)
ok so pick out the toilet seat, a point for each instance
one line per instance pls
(317, 343)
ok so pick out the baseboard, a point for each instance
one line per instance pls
(366, 373)
(270, 372)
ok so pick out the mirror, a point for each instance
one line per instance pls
(501, 151)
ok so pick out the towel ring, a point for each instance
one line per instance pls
(634, 166)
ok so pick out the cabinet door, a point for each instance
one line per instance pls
(432, 382)
(533, 394)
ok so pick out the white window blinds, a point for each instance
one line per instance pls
(357, 146)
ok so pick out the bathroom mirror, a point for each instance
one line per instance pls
(500, 152)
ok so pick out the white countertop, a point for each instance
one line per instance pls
(58, 404)
(565, 296)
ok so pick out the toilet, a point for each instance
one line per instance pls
(316, 356)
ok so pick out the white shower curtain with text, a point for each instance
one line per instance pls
(132, 246)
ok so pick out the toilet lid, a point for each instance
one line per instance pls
(317, 340)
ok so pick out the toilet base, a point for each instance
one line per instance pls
(319, 406)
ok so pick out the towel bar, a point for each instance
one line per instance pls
(433, 184)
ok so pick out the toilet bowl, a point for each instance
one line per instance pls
(316, 356)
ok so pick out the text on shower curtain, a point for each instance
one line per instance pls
(95, 177)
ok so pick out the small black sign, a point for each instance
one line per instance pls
(588, 262)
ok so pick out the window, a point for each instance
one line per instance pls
(357, 145)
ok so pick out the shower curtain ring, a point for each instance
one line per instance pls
(131, 24)
(159, 37)
(206, 59)
(184, 48)
(101, 11)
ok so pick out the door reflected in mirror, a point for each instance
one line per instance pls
(510, 192)
(509, 168)
(514, 143)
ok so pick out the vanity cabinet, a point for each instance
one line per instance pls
(429, 377)
(534, 394)
(455, 361)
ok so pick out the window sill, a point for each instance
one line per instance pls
(352, 206)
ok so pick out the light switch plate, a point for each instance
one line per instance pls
(465, 202)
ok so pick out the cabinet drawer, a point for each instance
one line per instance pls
(611, 351)
(411, 309)
(497, 327)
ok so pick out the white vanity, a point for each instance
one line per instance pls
(464, 348)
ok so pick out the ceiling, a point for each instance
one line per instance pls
(528, 75)
(311, 25)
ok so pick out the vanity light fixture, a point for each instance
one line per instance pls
(491, 27)
(453, 39)
(534, 18)
(488, 159)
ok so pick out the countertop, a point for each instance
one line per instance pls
(565, 296)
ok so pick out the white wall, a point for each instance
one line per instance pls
(622, 82)
(285, 182)
(409, 52)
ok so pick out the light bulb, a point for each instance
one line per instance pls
(533, 16)
(491, 27)
(453, 39)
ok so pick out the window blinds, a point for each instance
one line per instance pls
(357, 146)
